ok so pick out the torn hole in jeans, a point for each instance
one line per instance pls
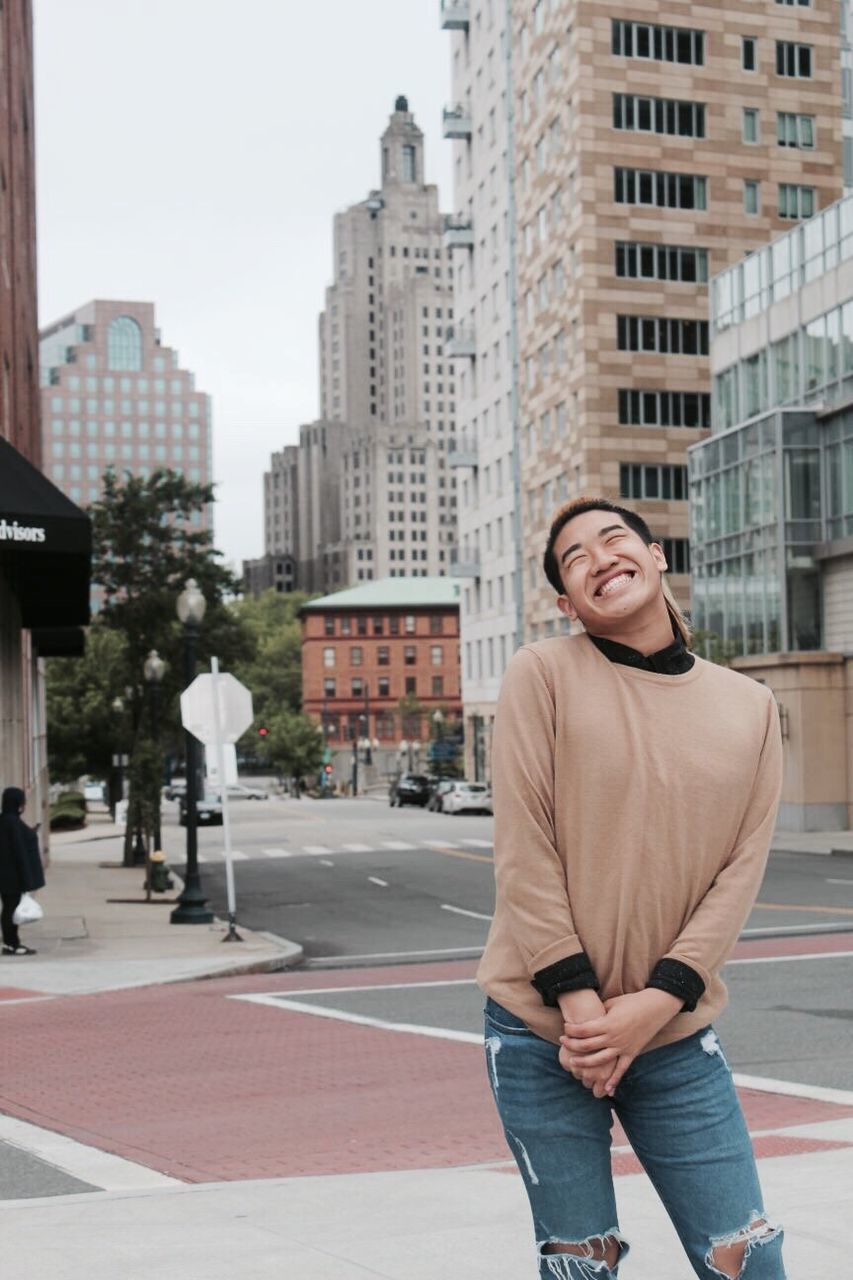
(757, 1232)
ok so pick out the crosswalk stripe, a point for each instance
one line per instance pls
(478, 844)
(358, 848)
(316, 848)
(397, 844)
(237, 855)
(435, 844)
(277, 853)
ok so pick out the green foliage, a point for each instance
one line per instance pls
(83, 728)
(146, 776)
(293, 747)
(68, 812)
(273, 670)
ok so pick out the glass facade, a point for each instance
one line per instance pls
(762, 498)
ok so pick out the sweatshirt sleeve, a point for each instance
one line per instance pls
(708, 937)
(529, 872)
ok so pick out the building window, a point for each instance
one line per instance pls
(748, 53)
(409, 170)
(394, 625)
(641, 481)
(438, 686)
(329, 687)
(750, 196)
(677, 552)
(750, 124)
(410, 624)
(384, 690)
(357, 687)
(346, 626)
(328, 657)
(124, 344)
(411, 686)
(662, 334)
(665, 190)
(435, 627)
(664, 408)
(383, 656)
(436, 655)
(355, 655)
(793, 59)
(661, 44)
(658, 115)
(794, 130)
(329, 624)
(661, 262)
(378, 626)
(410, 655)
(795, 201)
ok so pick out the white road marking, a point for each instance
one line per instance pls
(397, 844)
(479, 844)
(324, 862)
(367, 986)
(237, 855)
(316, 848)
(401, 955)
(100, 1168)
(791, 1089)
(437, 844)
(277, 853)
(847, 881)
(358, 848)
(460, 911)
(383, 884)
(813, 955)
(362, 1020)
(784, 930)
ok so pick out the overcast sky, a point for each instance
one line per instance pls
(191, 153)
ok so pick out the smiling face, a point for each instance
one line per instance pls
(611, 577)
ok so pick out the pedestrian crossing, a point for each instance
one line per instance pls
(327, 851)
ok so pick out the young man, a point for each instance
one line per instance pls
(635, 792)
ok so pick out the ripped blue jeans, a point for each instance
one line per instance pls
(679, 1108)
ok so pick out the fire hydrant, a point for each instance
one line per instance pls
(160, 880)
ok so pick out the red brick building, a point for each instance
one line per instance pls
(379, 660)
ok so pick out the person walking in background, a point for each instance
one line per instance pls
(635, 791)
(20, 867)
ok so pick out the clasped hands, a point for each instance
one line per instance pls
(599, 1044)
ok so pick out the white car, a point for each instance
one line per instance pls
(467, 797)
(236, 791)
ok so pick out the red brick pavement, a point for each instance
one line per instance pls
(206, 1088)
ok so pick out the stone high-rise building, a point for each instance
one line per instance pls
(644, 153)
(114, 397)
(376, 497)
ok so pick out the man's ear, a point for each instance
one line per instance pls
(658, 556)
(566, 607)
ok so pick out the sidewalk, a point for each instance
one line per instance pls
(99, 934)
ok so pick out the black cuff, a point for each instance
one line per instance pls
(679, 980)
(572, 974)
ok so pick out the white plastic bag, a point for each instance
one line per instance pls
(27, 911)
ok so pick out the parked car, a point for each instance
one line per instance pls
(208, 811)
(237, 791)
(409, 788)
(467, 797)
(437, 793)
(176, 789)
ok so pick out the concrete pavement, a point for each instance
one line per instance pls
(405, 1219)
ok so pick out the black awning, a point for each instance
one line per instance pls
(59, 642)
(45, 545)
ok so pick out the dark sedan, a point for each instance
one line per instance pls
(409, 788)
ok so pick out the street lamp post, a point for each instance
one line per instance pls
(192, 906)
(154, 668)
(119, 761)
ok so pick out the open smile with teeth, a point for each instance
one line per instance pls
(612, 585)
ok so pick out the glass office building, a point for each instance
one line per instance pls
(771, 491)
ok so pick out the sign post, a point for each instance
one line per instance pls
(217, 709)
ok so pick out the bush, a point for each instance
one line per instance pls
(68, 812)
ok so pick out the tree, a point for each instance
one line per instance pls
(146, 543)
(273, 669)
(84, 731)
(293, 746)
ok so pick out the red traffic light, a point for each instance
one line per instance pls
(262, 732)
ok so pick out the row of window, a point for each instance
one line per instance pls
(73, 382)
(661, 262)
(378, 625)
(383, 655)
(656, 187)
(383, 690)
(129, 430)
(658, 43)
(641, 480)
(663, 334)
(127, 452)
(73, 405)
(664, 408)
(792, 129)
(658, 115)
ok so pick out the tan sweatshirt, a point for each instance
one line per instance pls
(633, 817)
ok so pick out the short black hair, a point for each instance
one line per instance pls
(577, 507)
